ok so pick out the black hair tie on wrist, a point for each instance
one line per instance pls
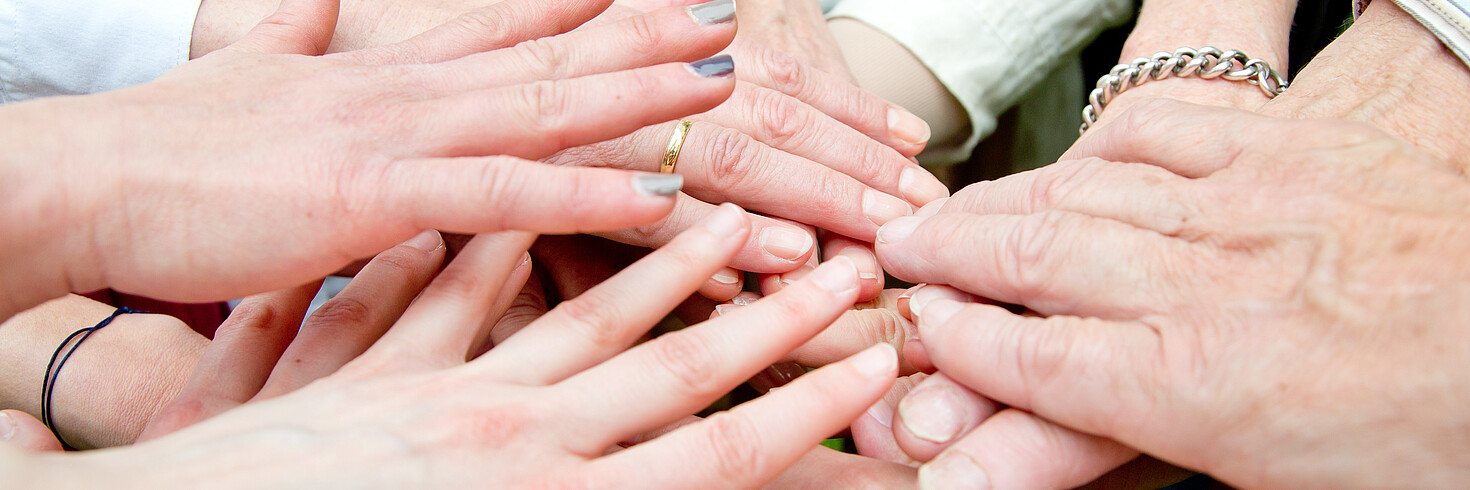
(53, 368)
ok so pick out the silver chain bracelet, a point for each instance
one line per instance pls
(1206, 63)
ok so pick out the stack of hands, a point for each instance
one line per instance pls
(1267, 292)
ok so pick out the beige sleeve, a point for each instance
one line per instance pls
(886, 68)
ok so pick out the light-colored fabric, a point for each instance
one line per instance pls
(1449, 20)
(64, 47)
(989, 52)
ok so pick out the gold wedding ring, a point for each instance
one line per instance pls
(671, 155)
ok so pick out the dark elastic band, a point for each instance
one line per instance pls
(53, 368)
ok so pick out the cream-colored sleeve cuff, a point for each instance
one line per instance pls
(66, 47)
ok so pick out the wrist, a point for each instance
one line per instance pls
(1260, 28)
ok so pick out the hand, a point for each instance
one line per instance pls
(157, 181)
(549, 401)
(1249, 322)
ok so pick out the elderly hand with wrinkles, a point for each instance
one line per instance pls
(1275, 302)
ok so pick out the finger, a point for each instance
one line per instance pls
(537, 119)
(862, 254)
(349, 323)
(854, 331)
(21, 430)
(235, 365)
(444, 320)
(467, 195)
(575, 264)
(754, 442)
(724, 164)
(872, 433)
(514, 286)
(666, 35)
(834, 96)
(1015, 449)
(1184, 138)
(935, 414)
(724, 285)
(1145, 196)
(528, 306)
(1048, 366)
(297, 27)
(773, 245)
(686, 370)
(772, 283)
(789, 125)
(606, 319)
(823, 467)
(1055, 262)
(501, 25)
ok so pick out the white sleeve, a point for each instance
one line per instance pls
(62, 47)
(1449, 20)
(989, 53)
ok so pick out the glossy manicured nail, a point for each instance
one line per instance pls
(718, 66)
(932, 208)
(938, 312)
(907, 127)
(838, 275)
(786, 243)
(727, 277)
(921, 187)
(879, 361)
(881, 208)
(658, 184)
(898, 230)
(727, 220)
(951, 470)
(882, 412)
(933, 413)
(7, 427)
(716, 12)
(427, 241)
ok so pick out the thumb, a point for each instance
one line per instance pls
(20, 429)
(297, 27)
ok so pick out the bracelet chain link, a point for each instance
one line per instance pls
(1207, 63)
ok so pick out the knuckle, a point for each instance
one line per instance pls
(250, 316)
(547, 57)
(586, 188)
(689, 360)
(779, 115)
(485, 24)
(341, 311)
(550, 107)
(594, 318)
(884, 326)
(784, 72)
(1055, 182)
(644, 36)
(732, 157)
(1032, 252)
(735, 446)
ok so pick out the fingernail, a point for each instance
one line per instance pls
(898, 230)
(726, 277)
(727, 309)
(938, 312)
(727, 220)
(929, 294)
(867, 276)
(7, 427)
(427, 241)
(907, 127)
(716, 12)
(953, 471)
(933, 413)
(882, 412)
(921, 187)
(879, 361)
(838, 275)
(881, 208)
(932, 208)
(789, 278)
(719, 66)
(785, 243)
(650, 184)
(746, 298)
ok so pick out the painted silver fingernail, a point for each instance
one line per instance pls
(658, 184)
(722, 66)
(716, 12)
